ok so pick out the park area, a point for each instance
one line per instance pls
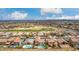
(64, 48)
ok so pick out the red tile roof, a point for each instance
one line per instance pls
(17, 39)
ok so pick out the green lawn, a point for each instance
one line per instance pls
(25, 30)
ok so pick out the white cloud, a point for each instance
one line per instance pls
(77, 16)
(17, 15)
(51, 10)
(65, 17)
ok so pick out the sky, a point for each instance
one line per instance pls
(38, 13)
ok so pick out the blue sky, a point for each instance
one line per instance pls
(38, 13)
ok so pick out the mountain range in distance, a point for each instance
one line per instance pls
(57, 21)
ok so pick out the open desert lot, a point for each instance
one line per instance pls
(66, 49)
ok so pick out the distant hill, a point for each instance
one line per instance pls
(43, 21)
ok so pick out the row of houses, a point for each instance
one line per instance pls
(20, 38)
